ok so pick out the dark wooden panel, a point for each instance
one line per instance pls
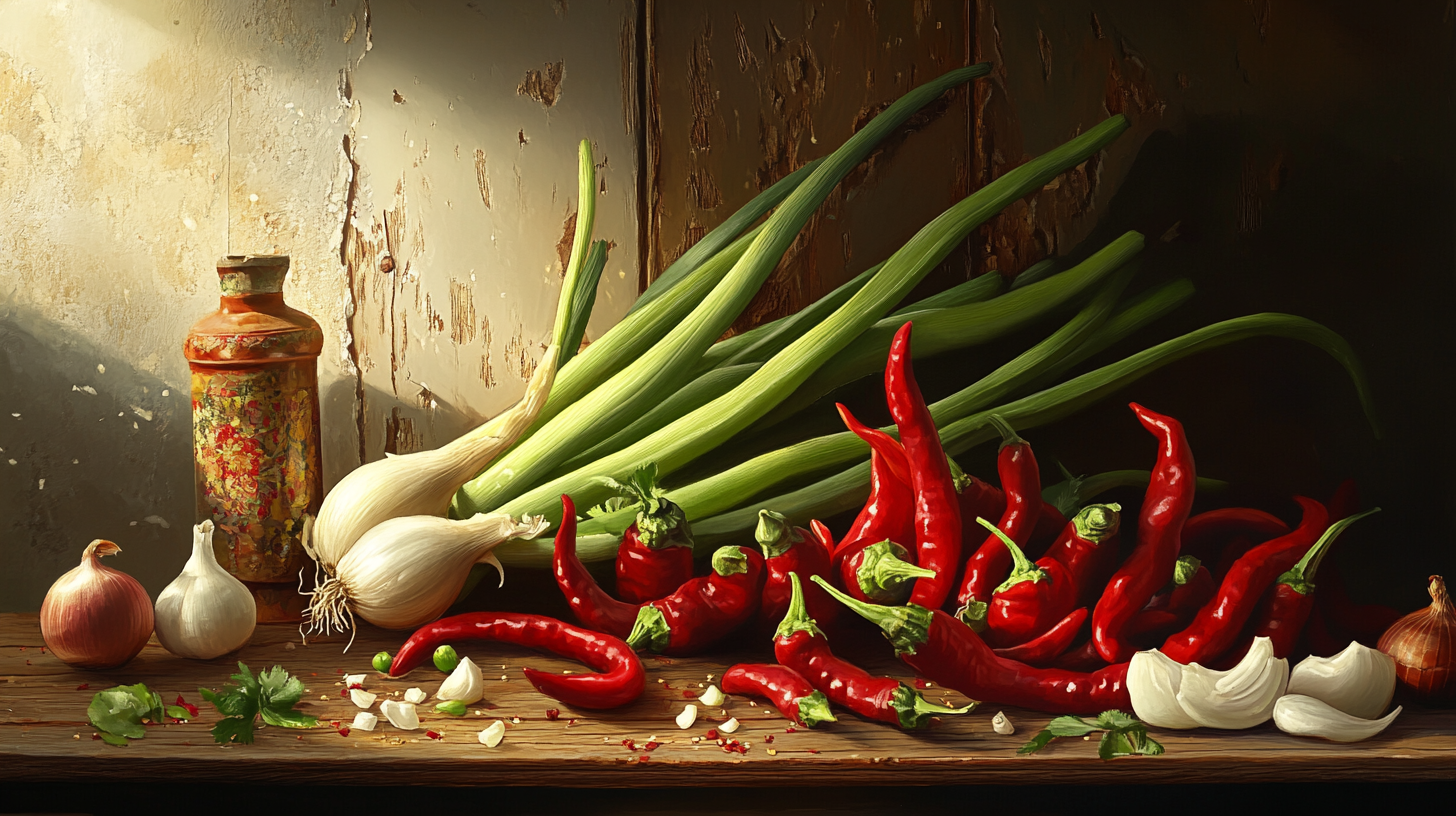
(741, 93)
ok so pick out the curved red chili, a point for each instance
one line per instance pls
(1087, 548)
(1216, 626)
(1205, 532)
(942, 649)
(1284, 611)
(989, 564)
(1051, 644)
(620, 680)
(937, 508)
(588, 601)
(878, 572)
(704, 610)
(656, 553)
(981, 499)
(1031, 600)
(800, 646)
(790, 693)
(889, 514)
(788, 549)
(1170, 611)
(1165, 508)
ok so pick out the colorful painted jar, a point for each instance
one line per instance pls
(255, 430)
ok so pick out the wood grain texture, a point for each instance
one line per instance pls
(44, 735)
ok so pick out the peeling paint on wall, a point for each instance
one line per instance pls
(544, 86)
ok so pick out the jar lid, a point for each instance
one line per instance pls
(251, 274)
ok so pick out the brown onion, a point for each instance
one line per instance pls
(95, 617)
(1423, 647)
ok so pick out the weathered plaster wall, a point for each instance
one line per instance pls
(139, 140)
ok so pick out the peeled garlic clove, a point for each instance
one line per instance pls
(1359, 681)
(712, 698)
(400, 715)
(1241, 697)
(1153, 682)
(464, 684)
(688, 716)
(416, 695)
(362, 698)
(1001, 724)
(205, 612)
(493, 734)
(1305, 716)
(730, 726)
(364, 721)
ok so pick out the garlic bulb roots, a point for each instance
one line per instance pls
(407, 571)
(205, 612)
(422, 483)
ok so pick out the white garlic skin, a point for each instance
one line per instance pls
(1153, 683)
(464, 683)
(1307, 717)
(400, 715)
(205, 612)
(1241, 697)
(1359, 681)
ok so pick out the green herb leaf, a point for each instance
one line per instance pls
(1122, 735)
(178, 713)
(119, 711)
(1038, 742)
(288, 719)
(1115, 719)
(273, 694)
(1113, 744)
(111, 739)
(233, 729)
(1072, 727)
(280, 692)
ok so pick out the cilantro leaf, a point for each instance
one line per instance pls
(1070, 727)
(1038, 742)
(1122, 735)
(119, 711)
(272, 694)
(178, 712)
(289, 719)
(233, 729)
(1115, 719)
(112, 739)
(279, 691)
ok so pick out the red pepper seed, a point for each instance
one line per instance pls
(768, 738)
(712, 733)
(353, 686)
(630, 745)
(433, 735)
(553, 714)
(688, 694)
(344, 732)
(813, 750)
(651, 746)
(790, 730)
(83, 687)
(643, 758)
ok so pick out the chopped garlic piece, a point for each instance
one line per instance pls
(400, 715)
(493, 734)
(1001, 724)
(362, 698)
(414, 695)
(354, 679)
(712, 697)
(688, 716)
(364, 721)
(730, 726)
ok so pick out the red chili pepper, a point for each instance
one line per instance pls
(800, 646)
(878, 571)
(890, 511)
(1165, 508)
(790, 693)
(1170, 611)
(1285, 609)
(1087, 548)
(981, 499)
(1031, 600)
(937, 507)
(1217, 625)
(620, 681)
(1206, 531)
(1042, 650)
(788, 549)
(704, 609)
(1083, 658)
(656, 553)
(588, 601)
(946, 651)
(988, 565)
(1236, 548)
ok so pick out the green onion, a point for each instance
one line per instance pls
(659, 372)
(975, 290)
(577, 300)
(722, 235)
(711, 425)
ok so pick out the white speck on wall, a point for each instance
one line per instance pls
(189, 222)
(85, 388)
(157, 520)
(40, 484)
(166, 392)
(75, 461)
(17, 416)
(133, 524)
(135, 427)
(142, 412)
(13, 462)
(100, 369)
(253, 197)
(121, 413)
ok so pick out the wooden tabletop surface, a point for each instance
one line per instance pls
(44, 734)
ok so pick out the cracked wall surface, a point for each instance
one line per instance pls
(388, 147)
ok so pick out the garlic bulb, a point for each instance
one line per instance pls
(1305, 716)
(422, 483)
(1241, 697)
(464, 684)
(1153, 682)
(407, 571)
(1359, 681)
(205, 612)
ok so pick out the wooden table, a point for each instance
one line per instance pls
(44, 735)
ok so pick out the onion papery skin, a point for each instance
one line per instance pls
(95, 617)
(1423, 647)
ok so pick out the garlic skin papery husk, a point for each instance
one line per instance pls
(400, 715)
(1359, 681)
(1305, 716)
(205, 612)
(1241, 697)
(407, 571)
(464, 683)
(1153, 683)
(421, 483)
